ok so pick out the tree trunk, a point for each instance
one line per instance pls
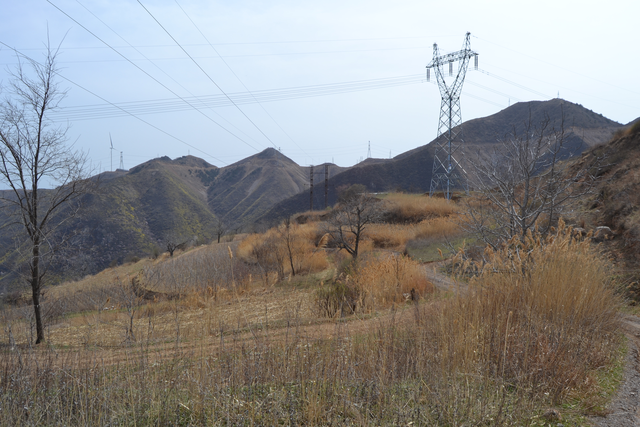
(35, 291)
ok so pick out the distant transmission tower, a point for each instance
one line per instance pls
(111, 141)
(445, 165)
(369, 151)
(121, 162)
(311, 189)
(326, 184)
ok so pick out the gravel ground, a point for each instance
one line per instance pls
(624, 410)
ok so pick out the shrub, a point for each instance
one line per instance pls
(336, 298)
(284, 250)
(540, 314)
(372, 284)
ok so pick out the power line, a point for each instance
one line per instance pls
(206, 74)
(255, 42)
(558, 66)
(108, 102)
(495, 76)
(158, 67)
(166, 105)
(153, 78)
(238, 78)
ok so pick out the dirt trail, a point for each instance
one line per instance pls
(441, 281)
(625, 408)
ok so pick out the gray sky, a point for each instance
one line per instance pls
(308, 63)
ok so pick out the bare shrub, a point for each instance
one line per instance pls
(286, 249)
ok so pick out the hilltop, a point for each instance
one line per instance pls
(135, 212)
(411, 171)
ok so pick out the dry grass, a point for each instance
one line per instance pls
(396, 236)
(537, 322)
(413, 208)
(541, 314)
(385, 280)
(285, 251)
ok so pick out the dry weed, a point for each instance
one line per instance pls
(413, 208)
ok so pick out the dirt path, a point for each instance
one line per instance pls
(625, 408)
(441, 281)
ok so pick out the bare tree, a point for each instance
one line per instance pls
(349, 220)
(219, 228)
(33, 154)
(291, 244)
(522, 184)
(171, 246)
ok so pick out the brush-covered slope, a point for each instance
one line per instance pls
(246, 189)
(615, 198)
(129, 215)
(411, 171)
(153, 202)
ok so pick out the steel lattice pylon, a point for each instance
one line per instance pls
(446, 167)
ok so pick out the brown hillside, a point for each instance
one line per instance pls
(411, 171)
(615, 202)
(251, 186)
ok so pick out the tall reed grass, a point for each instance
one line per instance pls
(531, 329)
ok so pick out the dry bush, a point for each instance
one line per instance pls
(374, 284)
(385, 280)
(541, 314)
(288, 249)
(413, 208)
(437, 228)
(390, 236)
(396, 236)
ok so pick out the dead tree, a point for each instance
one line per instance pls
(522, 184)
(33, 154)
(350, 218)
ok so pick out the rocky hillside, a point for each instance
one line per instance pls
(411, 171)
(615, 200)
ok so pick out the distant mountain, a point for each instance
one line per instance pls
(136, 211)
(411, 171)
(246, 189)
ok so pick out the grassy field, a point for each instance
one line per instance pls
(253, 333)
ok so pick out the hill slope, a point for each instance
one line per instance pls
(411, 171)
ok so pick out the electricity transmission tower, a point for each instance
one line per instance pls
(111, 141)
(446, 167)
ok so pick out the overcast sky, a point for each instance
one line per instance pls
(330, 75)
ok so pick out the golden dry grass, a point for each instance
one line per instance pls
(396, 236)
(405, 208)
(535, 325)
(385, 280)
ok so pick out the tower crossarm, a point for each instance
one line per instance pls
(451, 57)
(464, 54)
